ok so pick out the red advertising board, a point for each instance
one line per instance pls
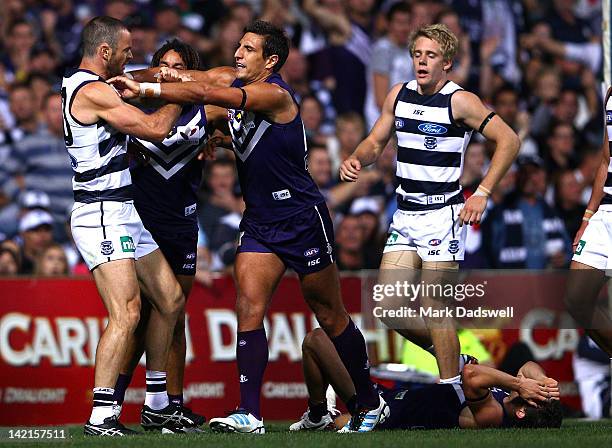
(49, 330)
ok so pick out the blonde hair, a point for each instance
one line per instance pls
(449, 44)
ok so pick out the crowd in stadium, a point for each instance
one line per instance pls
(536, 63)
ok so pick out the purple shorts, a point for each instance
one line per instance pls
(304, 242)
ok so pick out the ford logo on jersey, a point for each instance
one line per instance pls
(311, 252)
(432, 128)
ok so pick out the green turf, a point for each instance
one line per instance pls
(574, 434)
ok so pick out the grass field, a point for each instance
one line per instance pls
(573, 434)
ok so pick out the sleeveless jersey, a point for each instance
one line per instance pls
(606, 201)
(272, 163)
(98, 152)
(430, 149)
(499, 395)
(433, 406)
(165, 188)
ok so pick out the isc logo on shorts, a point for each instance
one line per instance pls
(314, 262)
(281, 195)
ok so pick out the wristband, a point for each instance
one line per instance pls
(150, 89)
(589, 212)
(482, 191)
(584, 218)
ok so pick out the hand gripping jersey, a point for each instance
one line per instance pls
(430, 149)
(165, 187)
(272, 163)
(98, 152)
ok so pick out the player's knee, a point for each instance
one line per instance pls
(250, 310)
(127, 319)
(174, 303)
(312, 339)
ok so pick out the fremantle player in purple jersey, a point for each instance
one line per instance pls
(486, 398)
(286, 223)
(164, 188)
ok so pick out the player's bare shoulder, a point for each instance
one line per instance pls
(93, 98)
(466, 105)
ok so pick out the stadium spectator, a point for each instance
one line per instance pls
(350, 130)
(19, 41)
(41, 162)
(51, 262)
(35, 234)
(524, 231)
(9, 262)
(390, 64)
(505, 102)
(560, 151)
(350, 241)
(568, 201)
(23, 108)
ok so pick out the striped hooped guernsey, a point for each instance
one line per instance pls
(606, 201)
(98, 152)
(430, 149)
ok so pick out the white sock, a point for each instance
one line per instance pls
(102, 405)
(156, 397)
(453, 380)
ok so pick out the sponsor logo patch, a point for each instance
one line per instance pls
(580, 247)
(190, 256)
(392, 238)
(399, 123)
(453, 246)
(435, 242)
(434, 252)
(609, 117)
(242, 343)
(432, 129)
(329, 249)
(281, 195)
(435, 199)
(189, 266)
(106, 247)
(311, 252)
(314, 262)
(127, 244)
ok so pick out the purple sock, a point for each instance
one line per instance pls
(176, 399)
(123, 382)
(351, 347)
(252, 357)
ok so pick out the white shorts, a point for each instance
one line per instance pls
(435, 235)
(595, 246)
(109, 230)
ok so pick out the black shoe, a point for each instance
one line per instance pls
(170, 419)
(191, 419)
(110, 428)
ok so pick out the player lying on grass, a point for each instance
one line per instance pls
(481, 401)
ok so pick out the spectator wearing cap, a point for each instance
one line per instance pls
(368, 210)
(35, 232)
(524, 231)
(11, 214)
(42, 163)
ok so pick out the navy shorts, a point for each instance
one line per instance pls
(179, 249)
(304, 242)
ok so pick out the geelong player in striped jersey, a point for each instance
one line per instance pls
(433, 119)
(107, 230)
(164, 190)
(592, 259)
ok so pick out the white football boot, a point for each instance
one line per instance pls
(240, 421)
(366, 420)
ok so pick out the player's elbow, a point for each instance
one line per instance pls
(469, 375)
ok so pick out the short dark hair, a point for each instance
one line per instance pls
(99, 30)
(50, 94)
(547, 415)
(275, 41)
(505, 88)
(399, 7)
(188, 54)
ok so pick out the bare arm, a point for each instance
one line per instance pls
(327, 19)
(216, 77)
(469, 110)
(370, 149)
(99, 101)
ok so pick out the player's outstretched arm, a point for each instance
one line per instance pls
(469, 110)
(215, 77)
(99, 101)
(267, 98)
(373, 145)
